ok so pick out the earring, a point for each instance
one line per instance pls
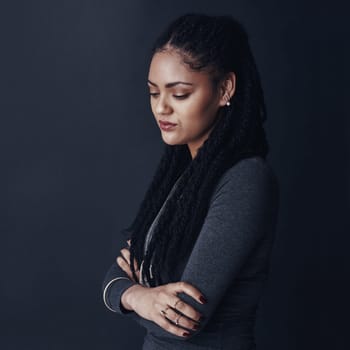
(228, 102)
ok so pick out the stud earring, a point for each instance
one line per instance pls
(228, 102)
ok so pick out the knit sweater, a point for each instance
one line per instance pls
(229, 263)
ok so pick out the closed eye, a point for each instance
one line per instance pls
(179, 97)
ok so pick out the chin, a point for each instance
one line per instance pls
(171, 142)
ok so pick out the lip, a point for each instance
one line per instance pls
(166, 126)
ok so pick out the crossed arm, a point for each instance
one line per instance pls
(242, 214)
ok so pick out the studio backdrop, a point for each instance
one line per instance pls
(79, 146)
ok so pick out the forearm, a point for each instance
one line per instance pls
(115, 283)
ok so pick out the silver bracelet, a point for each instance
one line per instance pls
(105, 290)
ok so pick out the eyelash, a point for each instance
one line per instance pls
(179, 97)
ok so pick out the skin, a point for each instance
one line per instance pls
(148, 302)
(194, 108)
(196, 112)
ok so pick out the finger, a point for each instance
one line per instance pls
(190, 290)
(126, 254)
(169, 327)
(122, 257)
(125, 267)
(178, 304)
(190, 317)
(129, 242)
(182, 320)
(123, 264)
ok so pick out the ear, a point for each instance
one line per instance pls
(227, 88)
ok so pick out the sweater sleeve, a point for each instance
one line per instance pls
(115, 283)
(242, 213)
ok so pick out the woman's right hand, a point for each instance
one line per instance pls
(148, 302)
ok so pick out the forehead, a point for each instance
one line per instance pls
(168, 66)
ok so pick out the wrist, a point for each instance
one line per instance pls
(127, 298)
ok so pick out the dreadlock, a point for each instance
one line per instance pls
(216, 44)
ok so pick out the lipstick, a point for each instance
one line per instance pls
(166, 126)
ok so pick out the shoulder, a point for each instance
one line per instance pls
(249, 168)
(252, 175)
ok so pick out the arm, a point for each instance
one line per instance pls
(112, 290)
(115, 283)
(241, 214)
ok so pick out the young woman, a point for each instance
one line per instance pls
(201, 240)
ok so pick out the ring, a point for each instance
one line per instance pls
(164, 311)
(177, 320)
(176, 303)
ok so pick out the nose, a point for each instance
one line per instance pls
(162, 106)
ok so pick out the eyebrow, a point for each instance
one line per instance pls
(169, 85)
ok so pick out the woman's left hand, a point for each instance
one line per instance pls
(124, 262)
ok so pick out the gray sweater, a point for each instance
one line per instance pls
(229, 263)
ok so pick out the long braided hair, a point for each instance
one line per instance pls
(217, 44)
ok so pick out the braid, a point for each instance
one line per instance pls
(218, 45)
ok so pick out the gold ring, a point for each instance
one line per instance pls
(176, 303)
(164, 311)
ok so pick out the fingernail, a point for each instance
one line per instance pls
(186, 334)
(195, 327)
(202, 299)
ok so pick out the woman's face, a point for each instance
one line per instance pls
(183, 97)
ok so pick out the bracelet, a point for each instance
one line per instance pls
(105, 291)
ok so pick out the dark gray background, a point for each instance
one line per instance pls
(79, 146)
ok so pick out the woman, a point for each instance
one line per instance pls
(201, 241)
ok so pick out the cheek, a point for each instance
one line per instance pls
(199, 113)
